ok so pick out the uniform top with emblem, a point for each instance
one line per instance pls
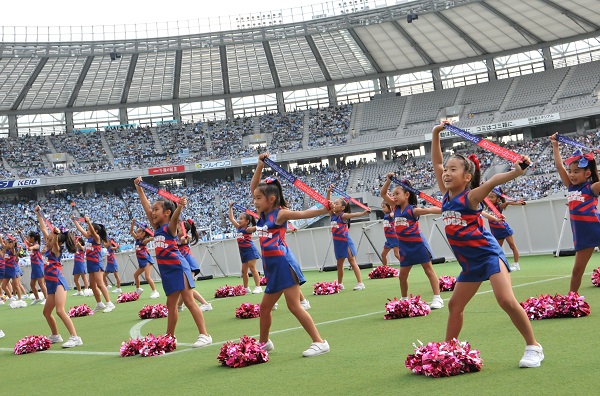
(585, 220)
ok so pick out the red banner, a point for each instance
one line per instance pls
(166, 169)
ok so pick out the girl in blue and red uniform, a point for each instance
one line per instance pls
(477, 251)
(111, 264)
(245, 226)
(187, 233)
(177, 278)
(414, 248)
(583, 185)
(389, 230)
(95, 234)
(142, 238)
(343, 246)
(282, 271)
(500, 228)
(37, 267)
(11, 273)
(56, 282)
(80, 269)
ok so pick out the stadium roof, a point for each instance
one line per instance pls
(50, 77)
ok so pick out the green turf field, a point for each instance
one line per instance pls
(367, 352)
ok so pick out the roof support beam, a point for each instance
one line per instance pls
(271, 62)
(365, 51)
(177, 73)
(424, 55)
(29, 84)
(224, 69)
(130, 71)
(526, 33)
(462, 34)
(571, 14)
(318, 57)
(80, 80)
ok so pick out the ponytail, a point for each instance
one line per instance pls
(476, 180)
(191, 229)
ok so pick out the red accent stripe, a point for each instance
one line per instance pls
(471, 243)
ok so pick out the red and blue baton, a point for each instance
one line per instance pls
(144, 227)
(349, 198)
(487, 145)
(299, 184)
(247, 211)
(418, 193)
(160, 191)
(571, 142)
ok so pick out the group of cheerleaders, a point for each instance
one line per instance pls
(478, 252)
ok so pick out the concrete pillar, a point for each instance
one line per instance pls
(437, 79)
(379, 157)
(237, 174)
(548, 64)
(123, 119)
(331, 94)
(189, 179)
(177, 112)
(491, 67)
(280, 102)
(383, 85)
(228, 109)
(13, 130)
(89, 189)
(69, 121)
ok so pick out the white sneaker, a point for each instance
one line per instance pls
(275, 307)
(268, 346)
(55, 338)
(437, 303)
(43, 302)
(109, 286)
(206, 307)
(24, 297)
(99, 307)
(359, 286)
(305, 304)
(247, 289)
(203, 340)
(515, 267)
(342, 286)
(117, 290)
(88, 293)
(78, 293)
(22, 303)
(257, 290)
(109, 307)
(37, 301)
(180, 308)
(2, 334)
(534, 354)
(13, 298)
(73, 341)
(154, 294)
(316, 349)
(139, 291)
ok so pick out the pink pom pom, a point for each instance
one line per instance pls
(241, 354)
(32, 344)
(384, 271)
(248, 311)
(414, 306)
(324, 288)
(444, 359)
(447, 283)
(548, 307)
(153, 311)
(596, 277)
(80, 310)
(127, 297)
(149, 346)
(263, 281)
(230, 291)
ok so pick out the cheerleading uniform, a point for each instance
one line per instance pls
(391, 239)
(500, 229)
(414, 248)
(79, 266)
(53, 272)
(585, 220)
(278, 259)
(2, 266)
(37, 264)
(142, 254)
(247, 249)
(171, 264)
(111, 261)
(93, 256)
(10, 265)
(475, 248)
(341, 240)
(187, 255)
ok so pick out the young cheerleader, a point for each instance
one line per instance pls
(413, 247)
(177, 279)
(282, 271)
(111, 264)
(95, 234)
(56, 282)
(583, 185)
(80, 269)
(142, 238)
(245, 226)
(37, 267)
(500, 228)
(187, 234)
(342, 243)
(10, 270)
(389, 230)
(477, 251)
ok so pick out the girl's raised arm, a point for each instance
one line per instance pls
(347, 216)
(558, 161)
(174, 222)
(257, 172)
(41, 222)
(132, 229)
(478, 194)
(91, 230)
(384, 190)
(80, 228)
(425, 211)
(285, 214)
(437, 158)
(231, 218)
(144, 200)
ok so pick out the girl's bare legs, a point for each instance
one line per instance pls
(352, 261)
(384, 253)
(582, 257)
(60, 298)
(148, 275)
(403, 277)
(340, 270)
(463, 293)
(292, 298)
(433, 278)
(266, 308)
